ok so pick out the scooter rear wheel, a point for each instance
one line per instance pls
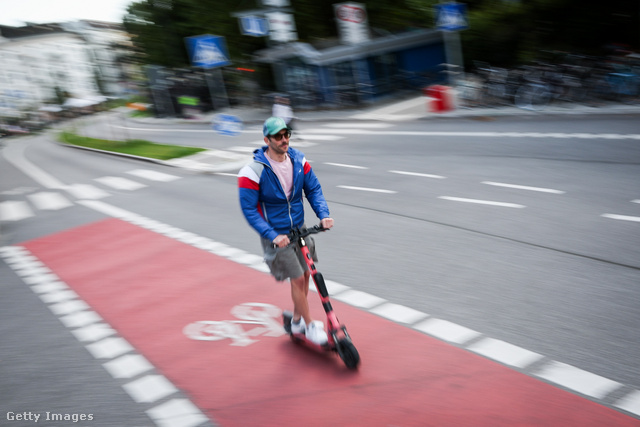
(348, 353)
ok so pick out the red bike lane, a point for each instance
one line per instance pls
(155, 291)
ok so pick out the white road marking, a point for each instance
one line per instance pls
(504, 352)
(630, 402)
(93, 332)
(578, 380)
(149, 388)
(153, 175)
(359, 299)
(342, 165)
(14, 210)
(86, 191)
(447, 331)
(482, 202)
(119, 183)
(47, 200)
(177, 413)
(423, 175)
(635, 201)
(622, 217)
(109, 348)
(524, 187)
(399, 313)
(374, 190)
(128, 366)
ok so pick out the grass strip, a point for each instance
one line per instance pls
(135, 147)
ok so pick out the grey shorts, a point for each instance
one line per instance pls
(288, 262)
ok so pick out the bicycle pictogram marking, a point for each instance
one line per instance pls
(265, 316)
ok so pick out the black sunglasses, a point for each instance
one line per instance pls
(278, 136)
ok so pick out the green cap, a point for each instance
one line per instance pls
(273, 125)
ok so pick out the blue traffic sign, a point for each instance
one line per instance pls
(227, 125)
(451, 16)
(207, 51)
(254, 26)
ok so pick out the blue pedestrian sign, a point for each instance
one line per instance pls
(254, 26)
(207, 51)
(227, 125)
(451, 16)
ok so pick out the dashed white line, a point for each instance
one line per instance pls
(630, 402)
(374, 190)
(524, 187)
(399, 313)
(177, 413)
(109, 348)
(504, 352)
(359, 299)
(482, 202)
(423, 175)
(342, 165)
(150, 388)
(447, 331)
(622, 217)
(578, 380)
(128, 366)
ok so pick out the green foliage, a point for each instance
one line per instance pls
(502, 32)
(134, 147)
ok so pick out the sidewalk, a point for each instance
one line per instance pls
(412, 109)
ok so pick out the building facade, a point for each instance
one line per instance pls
(50, 64)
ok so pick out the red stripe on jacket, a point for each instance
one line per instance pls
(244, 182)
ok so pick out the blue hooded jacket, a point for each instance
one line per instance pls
(264, 202)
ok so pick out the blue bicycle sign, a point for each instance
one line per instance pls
(227, 125)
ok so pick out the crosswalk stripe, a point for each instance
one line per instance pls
(119, 183)
(47, 200)
(86, 191)
(153, 175)
(12, 210)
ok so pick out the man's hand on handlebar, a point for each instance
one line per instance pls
(326, 223)
(281, 241)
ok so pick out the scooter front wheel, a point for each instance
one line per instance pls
(348, 353)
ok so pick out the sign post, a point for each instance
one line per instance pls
(210, 52)
(451, 17)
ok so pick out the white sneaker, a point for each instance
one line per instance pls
(298, 328)
(316, 334)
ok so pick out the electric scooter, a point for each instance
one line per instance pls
(338, 338)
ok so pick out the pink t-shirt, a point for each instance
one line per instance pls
(284, 172)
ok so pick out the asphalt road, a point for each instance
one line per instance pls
(525, 230)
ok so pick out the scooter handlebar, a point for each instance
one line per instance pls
(303, 232)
